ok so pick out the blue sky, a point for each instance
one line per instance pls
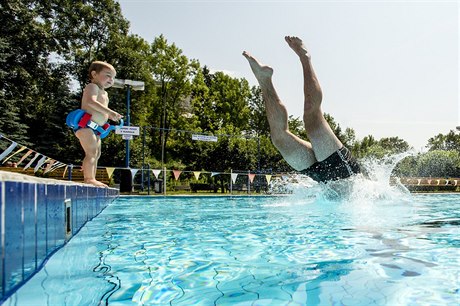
(387, 68)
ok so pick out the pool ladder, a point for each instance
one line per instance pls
(68, 219)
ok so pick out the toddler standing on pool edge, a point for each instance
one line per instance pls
(95, 101)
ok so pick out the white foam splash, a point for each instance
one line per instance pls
(372, 185)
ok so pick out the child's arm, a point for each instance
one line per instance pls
(90, 94)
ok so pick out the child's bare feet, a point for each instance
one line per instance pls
(297, 45)
(95, 183)
(262, 72)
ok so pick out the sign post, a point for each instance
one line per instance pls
(134, 85)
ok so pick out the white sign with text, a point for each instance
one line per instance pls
(128, 130)
(204, 137)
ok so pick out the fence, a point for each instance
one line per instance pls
(21, 159)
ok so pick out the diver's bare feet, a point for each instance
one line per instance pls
(95, 183)
(261, 72)
(297, 45)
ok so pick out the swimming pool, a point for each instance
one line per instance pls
(301, 249)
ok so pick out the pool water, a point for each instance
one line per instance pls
(301, 249)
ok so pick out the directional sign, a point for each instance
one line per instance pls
(204, 137)
(128, 130)
(127, 137)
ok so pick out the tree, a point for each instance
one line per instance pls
(173, 73)
(24, 49)
(407, 167)
(44, 43)
(381, 148)
(131, 55)
(10, 121)
(219, 100)
(347, 137)
(201, 100)
(439, 163)
(258, 121)
(360, 148)
(84, 31)
(450, 141)
(394, 145)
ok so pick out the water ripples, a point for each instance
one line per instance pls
(302, 249)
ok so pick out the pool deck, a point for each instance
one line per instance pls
(18, 177)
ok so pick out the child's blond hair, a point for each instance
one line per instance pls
(98, 66)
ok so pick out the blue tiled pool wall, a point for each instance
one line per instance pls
(33, 224)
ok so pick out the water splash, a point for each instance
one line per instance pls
(374, 184)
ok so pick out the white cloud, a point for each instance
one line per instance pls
(233, 74)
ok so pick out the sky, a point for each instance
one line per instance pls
(387, 68)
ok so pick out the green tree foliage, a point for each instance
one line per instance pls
(44, 44)
(258, 121)
(439, 163)
(10, 121)
(84, 31)
(270, 159)
(24, 50)
(172, 72)
(296, 126)
(449, 142)
(364, 145)
(130, 56)
(370, 147)
(220, 100)
(407, 167)
(230, 98)
(442, 159)
(201, 100)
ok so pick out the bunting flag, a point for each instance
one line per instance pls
(8, 150)
(110, 171)
(177, 174)
(268, 177)
(57, 165)
(156, 172)
(24, 157)
(31, 161)
(60, 165)
(65, 170)
(49, 166)
(20, 149)
(40, 162)
(133, 173)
